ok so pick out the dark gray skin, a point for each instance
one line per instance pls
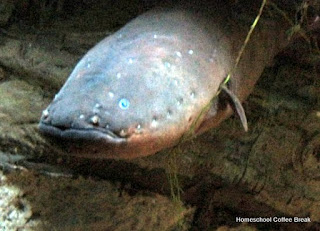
(141, 89)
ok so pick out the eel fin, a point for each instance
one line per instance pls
(237, 106)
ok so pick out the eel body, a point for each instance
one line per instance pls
(146, 86)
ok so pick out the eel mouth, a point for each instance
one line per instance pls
(104, 144)
(84, 134)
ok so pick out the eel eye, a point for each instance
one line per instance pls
(124, 103)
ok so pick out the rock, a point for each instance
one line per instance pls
(32, 202)
(6, 9)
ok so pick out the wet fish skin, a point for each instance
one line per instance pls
(141, 89)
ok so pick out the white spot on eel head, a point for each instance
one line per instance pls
(111, 94)
(96, 108)
(45, 113)
(213, 56)
(190, 52)
(167, 64)
(138, 128)
(95, 120)
(123, 133)
(154, 122)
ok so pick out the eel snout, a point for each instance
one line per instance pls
(125, 104)
(141, 89)
(89, 135)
